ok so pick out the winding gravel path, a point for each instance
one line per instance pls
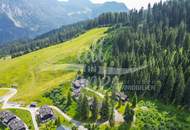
(8, 105)
(12, 92)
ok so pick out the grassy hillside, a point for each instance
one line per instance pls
(25, 72)
(3, 92)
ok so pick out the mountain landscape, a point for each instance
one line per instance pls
(28, 18)
(117, 71)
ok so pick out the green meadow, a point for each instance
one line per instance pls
(27, 73)
(3, 92)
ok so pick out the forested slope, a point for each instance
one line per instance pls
(159, 38)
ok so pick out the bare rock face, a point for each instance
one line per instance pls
(28, 18)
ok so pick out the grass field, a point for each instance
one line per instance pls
(3, 92)
(25, 72)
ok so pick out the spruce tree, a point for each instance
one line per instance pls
(85, 109)
(180, 86)
(169, 86)
(95, 110)
(69, 99)
(158, 86)
(115, 87)
(112, 117)
(129, 113)
(187, 94)
(105, 111)
(134, 100)
(80, 106)
(187, 43)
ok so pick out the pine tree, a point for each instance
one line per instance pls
(115, 87)
(112, 117)
(187, 74)
(180, 86)
(80, 106)
(169, 85)
(181, 33)
(171, 39)
(85, 109)
(105, 111)
(134, 101)
(187, 94)
(129, 113)
(69, 99)
(187, 42)
(95, 110)
(158, 86)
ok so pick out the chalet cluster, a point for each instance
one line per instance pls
(10, 120)
(45, 113)
(78, 84)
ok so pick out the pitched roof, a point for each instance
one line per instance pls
(80, 82)
(76, 83)
(6, 116)
(16, 124)
(45, 110)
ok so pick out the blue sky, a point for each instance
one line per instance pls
(130, 3)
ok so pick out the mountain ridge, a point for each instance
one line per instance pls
(37, 17)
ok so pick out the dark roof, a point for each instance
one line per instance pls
(3, 114)
(16, 124)
(6, 116)
(80, 82)
(76, 83)
(45, 110)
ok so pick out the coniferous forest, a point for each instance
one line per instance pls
(159, 38)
